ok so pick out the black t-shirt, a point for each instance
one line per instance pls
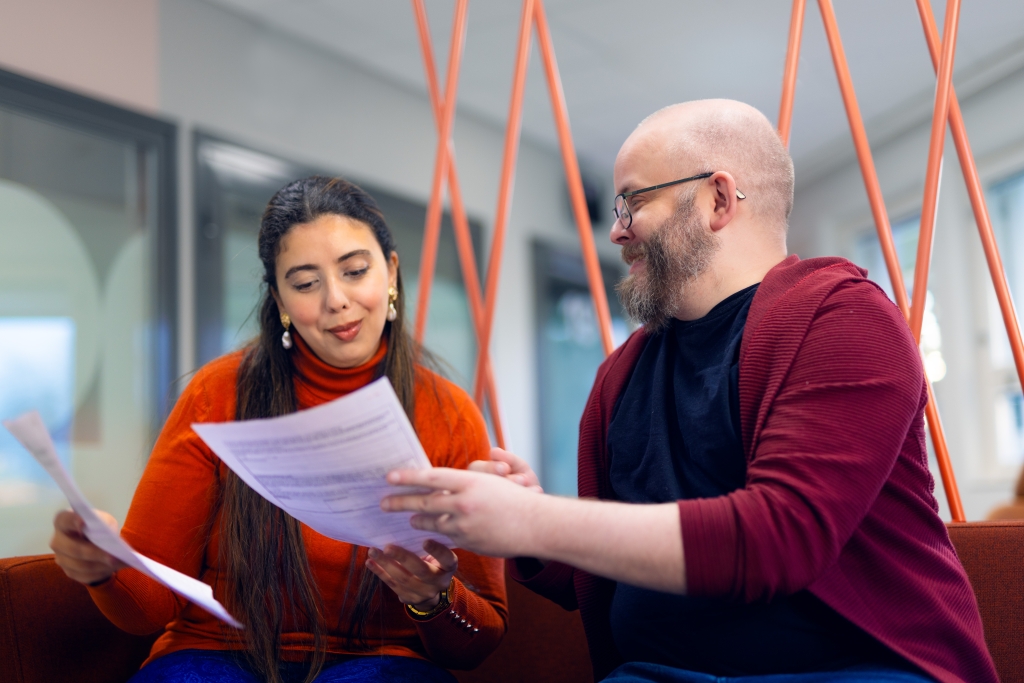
(674, 435)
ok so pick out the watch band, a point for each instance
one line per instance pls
(442, 604)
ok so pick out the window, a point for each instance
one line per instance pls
(234, 184)
(87, 296)
(868, 253)
(568, 353)
(1006, 201)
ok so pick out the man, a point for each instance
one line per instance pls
(757, 446)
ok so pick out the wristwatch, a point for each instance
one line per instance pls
(442, 604)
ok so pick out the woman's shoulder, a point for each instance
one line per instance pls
(214, 384)
(448, 422)
(440, 393)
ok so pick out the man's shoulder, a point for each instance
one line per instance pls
(796, 288)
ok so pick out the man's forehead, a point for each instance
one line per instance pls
(645, 157)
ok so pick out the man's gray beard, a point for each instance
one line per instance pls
(674, 256)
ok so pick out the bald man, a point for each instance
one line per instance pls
(765, 510)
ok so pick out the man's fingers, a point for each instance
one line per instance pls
(490, 467)
(431, 503)
(437, 478)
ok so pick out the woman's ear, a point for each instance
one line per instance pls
(393, 269)
(277, 299)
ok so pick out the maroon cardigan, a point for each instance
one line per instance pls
(838, 497)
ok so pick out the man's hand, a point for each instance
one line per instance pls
(510, 466)
(80, 559)
(641, 545)
(417, 582)
(479, 512)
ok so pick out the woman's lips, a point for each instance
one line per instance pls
(346, 332)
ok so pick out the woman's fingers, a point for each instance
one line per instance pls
(416, 581)
(80, 559)
(445, 557)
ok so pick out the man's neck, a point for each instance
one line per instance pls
(717, 284)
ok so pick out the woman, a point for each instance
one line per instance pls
(331, 321)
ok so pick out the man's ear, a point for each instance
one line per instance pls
(723, 186)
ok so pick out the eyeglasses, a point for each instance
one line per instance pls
(622, 207)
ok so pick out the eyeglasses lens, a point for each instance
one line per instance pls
(622, 211)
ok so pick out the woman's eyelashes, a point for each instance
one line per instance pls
(356, 273)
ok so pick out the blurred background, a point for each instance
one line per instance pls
(140, 140)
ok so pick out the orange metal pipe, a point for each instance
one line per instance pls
(977, 195)
(508, 175)
(432, 228)
(796, 30)
(463, 237)
(933, 174)
(574, 180)
(875, 199)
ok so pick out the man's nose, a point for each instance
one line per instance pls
(619, 234)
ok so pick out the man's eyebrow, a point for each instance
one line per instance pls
(341, 259)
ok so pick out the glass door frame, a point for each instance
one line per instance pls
(63, 107)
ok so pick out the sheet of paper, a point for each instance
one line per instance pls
(325, 466)
(32, 433)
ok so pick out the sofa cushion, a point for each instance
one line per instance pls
(993, 555)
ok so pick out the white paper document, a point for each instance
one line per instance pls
(32, 433)
(325, 466)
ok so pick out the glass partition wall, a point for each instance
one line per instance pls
(234, 184)
(568, 354)
(87, 305)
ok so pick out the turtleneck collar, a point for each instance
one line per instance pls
(317, 382)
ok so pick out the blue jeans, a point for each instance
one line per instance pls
(217, 666)
(642, 672)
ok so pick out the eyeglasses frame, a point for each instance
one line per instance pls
(627, 195)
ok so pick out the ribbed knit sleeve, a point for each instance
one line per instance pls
(169, 516)
(471, 628)
(820, 457)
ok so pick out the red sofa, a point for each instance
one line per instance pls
(50, 631)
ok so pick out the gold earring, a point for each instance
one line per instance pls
(286, 338)
(392, 298)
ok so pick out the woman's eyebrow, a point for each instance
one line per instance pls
(357, 252)
(342, 258)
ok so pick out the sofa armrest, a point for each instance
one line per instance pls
(50, 630)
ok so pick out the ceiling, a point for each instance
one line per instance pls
(620, 60)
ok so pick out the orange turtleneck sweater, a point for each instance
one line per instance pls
(174, 505)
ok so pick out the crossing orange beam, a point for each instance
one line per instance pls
(575, 181)
(463, 237)
(432, 229)
(977, 196)
(508, 174)
(933, 173)
(877, 203)
(796, 30)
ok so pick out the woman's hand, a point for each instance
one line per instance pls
(80, 559)
(417, 582)
(510, 466)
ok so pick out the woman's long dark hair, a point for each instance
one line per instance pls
(261, 546)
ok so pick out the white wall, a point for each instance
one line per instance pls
(831, 212)
(226, 74)
(103, 48)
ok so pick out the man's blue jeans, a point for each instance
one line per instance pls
(215, 666)
(642, 672)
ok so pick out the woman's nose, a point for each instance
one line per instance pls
(337, 299)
